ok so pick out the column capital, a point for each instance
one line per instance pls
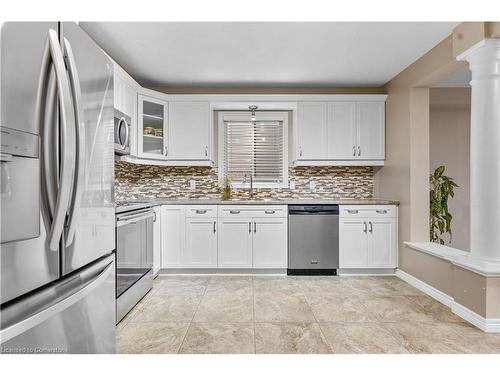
(489, 47)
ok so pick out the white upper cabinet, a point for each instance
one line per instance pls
(152, 142)
(312, 131)
(342, 130)
(124, 96)
(370, 119)
(340, 133)
(189, 131)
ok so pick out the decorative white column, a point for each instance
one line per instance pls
(484, 63)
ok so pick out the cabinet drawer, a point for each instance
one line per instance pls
(252, 211)
(201, 211)
(367, 211)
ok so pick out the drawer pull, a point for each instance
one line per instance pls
(234, 212)
(201, 212)
(381, 211)
(270, 212)
(353, 211)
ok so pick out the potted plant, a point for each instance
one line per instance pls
(226, 188)
(441, 189)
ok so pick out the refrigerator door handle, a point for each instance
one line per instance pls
(53, 58)
(80, 139)
(46, 312)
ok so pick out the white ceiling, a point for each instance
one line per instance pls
(266, 54)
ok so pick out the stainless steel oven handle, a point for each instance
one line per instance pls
(80, 142)
(129, 219)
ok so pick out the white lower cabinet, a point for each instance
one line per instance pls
(201, 243)
(157, 240)
(368, 237)
(269, 243)
(172, 236)
(353, 246)
(235, 243)
(381, 244)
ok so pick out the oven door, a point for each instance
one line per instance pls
(134, 248)
(122, 133)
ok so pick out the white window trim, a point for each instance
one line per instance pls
(259, 116)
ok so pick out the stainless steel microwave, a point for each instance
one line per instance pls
(122, 133)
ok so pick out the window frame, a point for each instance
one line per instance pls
(245, 116)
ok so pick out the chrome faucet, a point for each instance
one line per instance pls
(250, 191)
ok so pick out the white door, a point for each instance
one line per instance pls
(269, 243)
(235, 243)
(201, 243)
(129, 101)
(312, 131)
(370, 118)
(342, 130)
(189, 130)
(381, 243)
(118, 92)
(353, 252)
(157, 240)
(152, 128)
(172, 236)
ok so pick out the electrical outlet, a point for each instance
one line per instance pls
(312, 185)
(192, 184)
(291, 185)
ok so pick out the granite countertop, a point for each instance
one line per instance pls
(198, 201)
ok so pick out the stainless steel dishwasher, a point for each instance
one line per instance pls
(313, 239)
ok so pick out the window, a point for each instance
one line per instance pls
(256, 148)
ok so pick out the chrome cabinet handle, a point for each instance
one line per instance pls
(166, 151)
(215, 226)
(353, 150)
(234, 212)
(206, 150)
(359, 150)
(381, 211)
(254, 227)
(249, 227)
(353, 211)
(53, 57)
(154, 216)
(300, 151)
(270, 212)
(201, 212)
(364, 227)
(80, 139)
(371, 227)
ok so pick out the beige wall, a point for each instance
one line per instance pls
(449, 146)
(405, 174)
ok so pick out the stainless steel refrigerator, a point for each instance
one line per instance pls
(57, 203)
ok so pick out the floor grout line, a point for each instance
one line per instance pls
(194, 313)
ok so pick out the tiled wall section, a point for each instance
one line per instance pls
(146, 181)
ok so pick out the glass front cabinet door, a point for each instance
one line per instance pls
(152, 129)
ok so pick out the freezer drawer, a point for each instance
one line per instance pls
(75, 315)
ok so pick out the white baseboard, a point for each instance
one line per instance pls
(484, 324)
(426, 288)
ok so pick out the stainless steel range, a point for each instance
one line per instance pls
(134, 254)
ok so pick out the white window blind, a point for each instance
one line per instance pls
(254, 148)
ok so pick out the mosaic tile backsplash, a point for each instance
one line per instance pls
(134, 181)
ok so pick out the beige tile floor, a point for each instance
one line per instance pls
(266, 314)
